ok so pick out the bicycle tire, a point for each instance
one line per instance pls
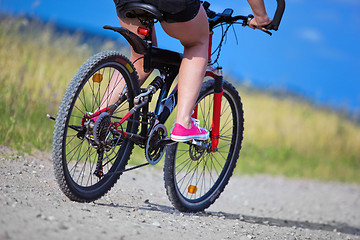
(184, 170)
(74, 159)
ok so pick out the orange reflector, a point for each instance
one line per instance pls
(97, 77)
(192, 189)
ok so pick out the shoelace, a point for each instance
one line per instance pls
(196, 123)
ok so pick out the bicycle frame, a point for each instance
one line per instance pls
(168, 63)
(195, 172)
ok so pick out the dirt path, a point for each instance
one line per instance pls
(256, 207)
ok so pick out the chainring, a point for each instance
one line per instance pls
(154, 154)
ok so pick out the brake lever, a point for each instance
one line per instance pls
(267, 31)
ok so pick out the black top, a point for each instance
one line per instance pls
(168, 6)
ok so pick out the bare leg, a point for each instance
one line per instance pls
(114, 88)
(117, 83)
(194, 36)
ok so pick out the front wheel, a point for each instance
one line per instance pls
(195, 176)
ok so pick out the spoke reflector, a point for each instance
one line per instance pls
(192, 189)
(97, 77)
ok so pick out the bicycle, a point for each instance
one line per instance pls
(94, 135)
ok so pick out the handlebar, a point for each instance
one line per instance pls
(274, 25)
(225, 17)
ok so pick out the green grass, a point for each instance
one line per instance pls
(36, 65)
(283, 136)
(291, 137)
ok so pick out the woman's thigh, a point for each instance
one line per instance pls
(193, 32)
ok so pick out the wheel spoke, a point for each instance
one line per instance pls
(200, 174)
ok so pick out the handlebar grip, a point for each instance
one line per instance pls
(274, 25)
(206, 5)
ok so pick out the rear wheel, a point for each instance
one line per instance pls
(85, 165)
(195, 176)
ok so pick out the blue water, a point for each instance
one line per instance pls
(315, 53)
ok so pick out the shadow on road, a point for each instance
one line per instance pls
(267, 221)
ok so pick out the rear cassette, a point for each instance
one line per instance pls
(101, 128)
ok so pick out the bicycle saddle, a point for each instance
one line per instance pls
(134, 9)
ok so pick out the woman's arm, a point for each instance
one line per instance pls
(261, 18)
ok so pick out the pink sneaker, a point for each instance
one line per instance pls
(181, 134)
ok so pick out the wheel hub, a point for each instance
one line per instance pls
(101, 130)
(196, 152)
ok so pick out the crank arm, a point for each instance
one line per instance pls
(163, 142)
(136, 138)
(168, 141)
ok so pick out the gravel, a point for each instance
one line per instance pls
(251, 207)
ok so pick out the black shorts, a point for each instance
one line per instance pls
(172, 10)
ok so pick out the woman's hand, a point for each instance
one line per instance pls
(260, 23)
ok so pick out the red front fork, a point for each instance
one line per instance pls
(215, 133)
(218, 93)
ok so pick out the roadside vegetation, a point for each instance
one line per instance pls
(283, 135)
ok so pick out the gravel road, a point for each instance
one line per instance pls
(251, 207)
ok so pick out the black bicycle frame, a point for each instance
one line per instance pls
(168, 63)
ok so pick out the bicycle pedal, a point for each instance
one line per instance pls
(199, 143)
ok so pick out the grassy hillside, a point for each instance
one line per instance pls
(283, 136)
(36, 64)
(292, 137)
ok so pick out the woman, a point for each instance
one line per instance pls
(186, 21)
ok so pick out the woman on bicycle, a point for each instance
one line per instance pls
(186, 21)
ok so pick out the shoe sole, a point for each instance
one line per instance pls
(189, 138)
